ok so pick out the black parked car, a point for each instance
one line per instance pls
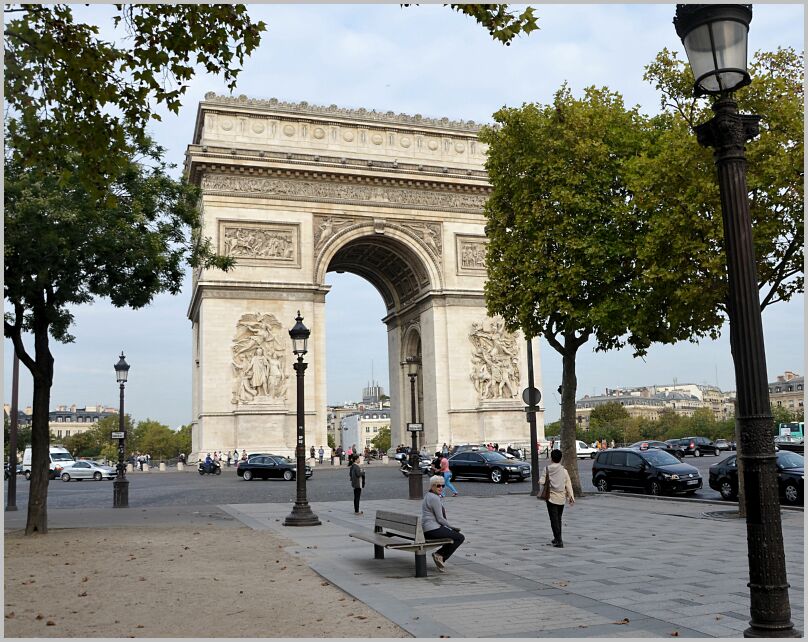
(675, 450)
(653, 471)
(269, 467)
(790, 477)
(488, 465)
(723, 444)
(699, 446)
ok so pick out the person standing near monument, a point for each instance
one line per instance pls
(560, 491)
(357, 477)
(321, 452)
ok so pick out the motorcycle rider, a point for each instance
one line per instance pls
(208, 464)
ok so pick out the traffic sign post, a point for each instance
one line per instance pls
(117, 434)
(415, 427)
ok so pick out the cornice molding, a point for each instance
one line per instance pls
(306, 109)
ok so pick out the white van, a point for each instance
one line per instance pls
(60, 458)
(582, 449)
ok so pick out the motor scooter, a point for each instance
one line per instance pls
(424, 465)
(214, 469)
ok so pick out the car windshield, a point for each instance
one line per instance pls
(494, 456)
(787, 459)
(660, 457)
(61, 457)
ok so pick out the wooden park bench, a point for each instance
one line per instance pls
(400, 532)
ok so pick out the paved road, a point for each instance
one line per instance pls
(328, 484)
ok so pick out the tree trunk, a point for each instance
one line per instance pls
(40, 434)
(569, 386)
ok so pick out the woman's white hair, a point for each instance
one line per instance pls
(436, 479)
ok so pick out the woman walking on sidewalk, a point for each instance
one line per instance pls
(447, 475)
(560, 490)
(357, 477)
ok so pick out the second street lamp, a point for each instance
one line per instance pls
(715, 39)
(301, 514)
(120, 487)
(416, 478)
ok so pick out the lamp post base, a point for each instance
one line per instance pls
(301, 515)
(787, 631)
(416, 485)
(120, 493)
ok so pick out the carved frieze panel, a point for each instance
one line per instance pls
(259, 360)
(470, 254)
(494, 360)
(260, 243)
(334, 192)
(326, 226)
(429, 233)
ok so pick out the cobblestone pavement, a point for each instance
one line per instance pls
(631, 567)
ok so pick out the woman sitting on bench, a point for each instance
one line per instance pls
(435, 524)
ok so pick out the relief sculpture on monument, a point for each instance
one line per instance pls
(259, 367)
(258, 243)
(494, 360)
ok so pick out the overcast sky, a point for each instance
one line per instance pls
(424, 60)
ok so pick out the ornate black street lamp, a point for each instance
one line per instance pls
(715, 39)
(301, 514)
(120, 487)
(416, 477)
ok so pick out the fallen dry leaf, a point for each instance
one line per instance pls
(83, 594)
(50, 623)
(39, 616)
(85, 579)
(675, 634)
(625, 620)
(10, 615)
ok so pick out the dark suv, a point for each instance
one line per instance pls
(699, 446)
(653, 471)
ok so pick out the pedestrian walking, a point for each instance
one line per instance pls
(243, 455)
(447, 476)
(558, 479)
(611, 444)
(444, 449)
(435, 524)
(311, 452)
(321, 452)
(357, 477)
(228, 459)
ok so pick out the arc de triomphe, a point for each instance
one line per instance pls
(293, 191)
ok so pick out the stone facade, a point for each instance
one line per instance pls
(293, 191)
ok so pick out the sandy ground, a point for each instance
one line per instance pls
(173, 582)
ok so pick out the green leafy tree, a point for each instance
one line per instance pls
(156, 439)
(676, 178)
(612, 413)
(90, 210)
(382, 441)
(563, 231)
(330, 441)
(183, 439)
(671, 425)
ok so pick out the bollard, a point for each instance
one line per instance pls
(129, 468)
(312, 462)
(145, 468)
(385, 459)
(180, 466)
(162, 467)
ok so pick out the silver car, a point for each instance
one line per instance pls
(88, 470)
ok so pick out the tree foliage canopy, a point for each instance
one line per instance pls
(68, 89)
(676, 181)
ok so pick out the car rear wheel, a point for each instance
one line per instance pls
(247, 475)
(791, 493)
(65, 477)
(219, 470)
(97, 476)
(655, 488)
(288, 475)
(726, 489)
(496, 475)
(602, 484)
(27, 475)
(697, 453)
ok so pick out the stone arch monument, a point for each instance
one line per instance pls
(293, 191)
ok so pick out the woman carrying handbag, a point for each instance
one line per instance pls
(556, 490)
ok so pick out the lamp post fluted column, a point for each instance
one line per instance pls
(301, 514)
(120, 486)
(415, 477)
(727, 133)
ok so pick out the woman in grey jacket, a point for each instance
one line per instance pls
(435, 524)
(357, 477)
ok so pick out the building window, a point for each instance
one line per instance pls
(59, 433)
